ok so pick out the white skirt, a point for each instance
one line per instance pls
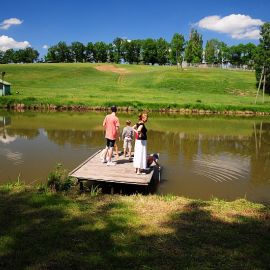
(140, 153)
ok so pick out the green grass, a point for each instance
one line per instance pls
(43, 230)
(142, 87)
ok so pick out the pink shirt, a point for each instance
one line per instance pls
(110, 122)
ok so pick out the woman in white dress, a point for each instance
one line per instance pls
(140, 149)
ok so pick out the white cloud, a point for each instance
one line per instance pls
(9, 22)
(238, 26)
(45, 47)
(9, 43)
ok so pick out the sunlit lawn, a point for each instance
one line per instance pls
(139, 86)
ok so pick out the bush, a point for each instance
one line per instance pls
(59, 180)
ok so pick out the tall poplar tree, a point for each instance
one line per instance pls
(177, 49)
(194, 48)
(262, 57)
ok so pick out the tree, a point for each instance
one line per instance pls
(90, 52)
(118, 52)
(64, 52)
(249, 54)
(59, 53)
(149, 51)
(194, 49)
(212, 51)
(78, 51)
(8, 56)
(235, 55)
(177, 47)
(162, 51)
(137, 50)
(131, 51)
(262, 56)
(100, 49)
(110, 52)
(224, 52)
(30, 55)
(2, 57)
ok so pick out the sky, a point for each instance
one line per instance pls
(41, 24)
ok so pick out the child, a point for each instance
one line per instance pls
(127, 137)
(153, 160)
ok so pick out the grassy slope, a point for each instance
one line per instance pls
(50, 231)
(142, 86)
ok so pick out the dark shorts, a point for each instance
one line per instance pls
(110, 143)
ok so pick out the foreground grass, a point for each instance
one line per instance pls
(140, 87)
(57, 231)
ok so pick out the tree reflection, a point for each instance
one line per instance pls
(25, 133)
(76, 137)
(260, 165)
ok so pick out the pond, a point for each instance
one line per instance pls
(202, 157)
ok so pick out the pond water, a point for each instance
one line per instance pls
(202, 157)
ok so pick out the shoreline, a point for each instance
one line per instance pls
(21, 107)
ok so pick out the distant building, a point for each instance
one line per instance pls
(5, 88)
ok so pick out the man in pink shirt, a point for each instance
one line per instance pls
(112, 125)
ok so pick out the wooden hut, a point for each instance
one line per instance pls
(5, 88)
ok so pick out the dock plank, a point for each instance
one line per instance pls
(123, 172)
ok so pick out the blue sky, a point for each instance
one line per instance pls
(39, 23)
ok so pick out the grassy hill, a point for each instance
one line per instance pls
(148, 87)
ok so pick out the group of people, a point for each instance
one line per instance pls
(138, 131)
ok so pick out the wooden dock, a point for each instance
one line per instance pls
(123, 172)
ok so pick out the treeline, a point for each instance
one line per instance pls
(27, 55)
(154, 51)
(120, 50)
(147, 51)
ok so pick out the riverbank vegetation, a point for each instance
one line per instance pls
(46, 230)
(82, 85)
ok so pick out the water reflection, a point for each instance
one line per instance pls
(76, 137)
(4, 122)
(260, 165)
(202, 157)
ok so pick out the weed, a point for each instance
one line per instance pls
(95, 190)
(168, 197)
(59, 180)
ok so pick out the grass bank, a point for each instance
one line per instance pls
(77, 86)
(43, 230)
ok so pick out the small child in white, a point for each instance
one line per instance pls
(127, 137)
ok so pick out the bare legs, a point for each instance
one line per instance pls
(116, 151)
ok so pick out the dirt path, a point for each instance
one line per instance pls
(111, 68)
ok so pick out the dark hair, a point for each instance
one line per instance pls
(113, 108)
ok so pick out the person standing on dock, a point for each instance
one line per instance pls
(140, 149)
(112, 126)
(127, 137)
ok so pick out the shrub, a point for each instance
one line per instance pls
(59, 180)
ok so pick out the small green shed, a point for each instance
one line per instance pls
(5, 88)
